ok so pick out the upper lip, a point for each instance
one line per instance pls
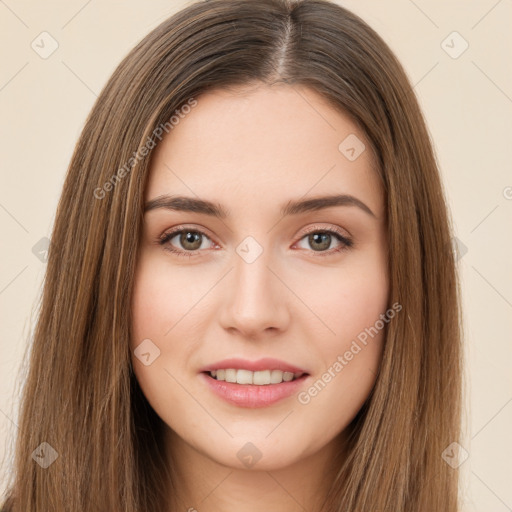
(266, 363)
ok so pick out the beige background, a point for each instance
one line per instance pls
(467, 103)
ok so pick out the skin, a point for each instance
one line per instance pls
(252, 150)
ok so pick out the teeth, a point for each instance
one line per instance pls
(243, 376)
(287, 376)
(230, 375)
(276, 376)
(262, 378)
(259, 378)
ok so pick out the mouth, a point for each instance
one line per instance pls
(250, 383)
(253, 384)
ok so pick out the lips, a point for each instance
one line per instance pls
(255, 394)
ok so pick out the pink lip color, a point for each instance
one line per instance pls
(252, 395)
(266, 363)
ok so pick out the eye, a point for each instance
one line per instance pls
(320, 240)
(191, 241)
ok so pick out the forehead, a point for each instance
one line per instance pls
(263, 143)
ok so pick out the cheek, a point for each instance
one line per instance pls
(167, 308)
(363, 299)
(158, 304)
(356, 309)
(349, 301)
(148, 307)
(162, 297)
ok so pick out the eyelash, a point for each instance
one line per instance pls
(346, 243)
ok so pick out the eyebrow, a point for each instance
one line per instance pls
(292, 207)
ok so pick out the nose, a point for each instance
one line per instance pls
(256, 302)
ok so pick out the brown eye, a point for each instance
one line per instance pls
(188, 242)
(320, 241)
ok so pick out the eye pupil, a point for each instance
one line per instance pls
(320, 238)
(189, 237)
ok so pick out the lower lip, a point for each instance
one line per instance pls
(251, 395)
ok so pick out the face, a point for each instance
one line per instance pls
(253, 277)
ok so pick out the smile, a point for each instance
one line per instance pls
(254, 395)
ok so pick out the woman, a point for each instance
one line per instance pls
(251, 300)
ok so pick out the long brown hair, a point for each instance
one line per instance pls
(81, 396)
